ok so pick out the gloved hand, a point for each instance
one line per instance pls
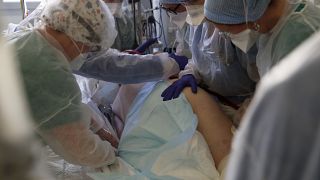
(174, 90)
(143, 47)
(181, 60)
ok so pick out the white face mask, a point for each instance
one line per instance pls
(116, 9)
(245, 39)
(178, 19)
(78, 61)
(195, 14)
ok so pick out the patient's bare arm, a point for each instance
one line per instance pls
(213, 123)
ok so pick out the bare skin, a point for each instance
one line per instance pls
(213, 124)
(70, 48)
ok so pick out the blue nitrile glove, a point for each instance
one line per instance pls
(174, 90)
(143, 47)
(181, 60)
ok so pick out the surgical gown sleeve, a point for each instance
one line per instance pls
(280, 136)
(55, 102)
(114, 66)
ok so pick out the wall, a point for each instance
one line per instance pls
(11, 12)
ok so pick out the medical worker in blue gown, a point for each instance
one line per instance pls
(277, 26)
(177, 16)
(279, 139)
(216, 64)
(67, 29)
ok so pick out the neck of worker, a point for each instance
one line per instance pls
(272, 15)
(62, 42)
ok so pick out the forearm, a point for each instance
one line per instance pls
(127, 69)
(79, 145)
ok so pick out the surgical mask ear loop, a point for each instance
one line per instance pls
(256, 27)
(246, 9)
(79, 50)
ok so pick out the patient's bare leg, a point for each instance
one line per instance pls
(214, 125)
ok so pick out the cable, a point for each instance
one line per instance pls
(133, 6)
(22, 6)
(150, 1)
(160, 27)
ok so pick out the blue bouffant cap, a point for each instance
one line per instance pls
(234, 11)
(173, 1)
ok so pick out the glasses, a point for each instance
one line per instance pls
(169, 10)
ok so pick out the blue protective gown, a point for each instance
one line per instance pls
(218, 65)
(113, 66)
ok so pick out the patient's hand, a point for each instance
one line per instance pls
(107, 136)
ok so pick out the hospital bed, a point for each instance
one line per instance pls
(181, 155)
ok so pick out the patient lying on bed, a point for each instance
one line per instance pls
(161, 139)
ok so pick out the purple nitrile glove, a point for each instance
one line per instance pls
(174, 90)
(142, 48)
(181, 60)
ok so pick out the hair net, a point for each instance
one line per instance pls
(173, 1)
(234, 11)
(86, 21)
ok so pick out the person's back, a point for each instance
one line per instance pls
(43, 54)
(279, 138)
(43, 69)
(19, 151)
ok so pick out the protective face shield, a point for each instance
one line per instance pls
(178, 19)
(245, 39)
(195, 14)
(116, 9)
